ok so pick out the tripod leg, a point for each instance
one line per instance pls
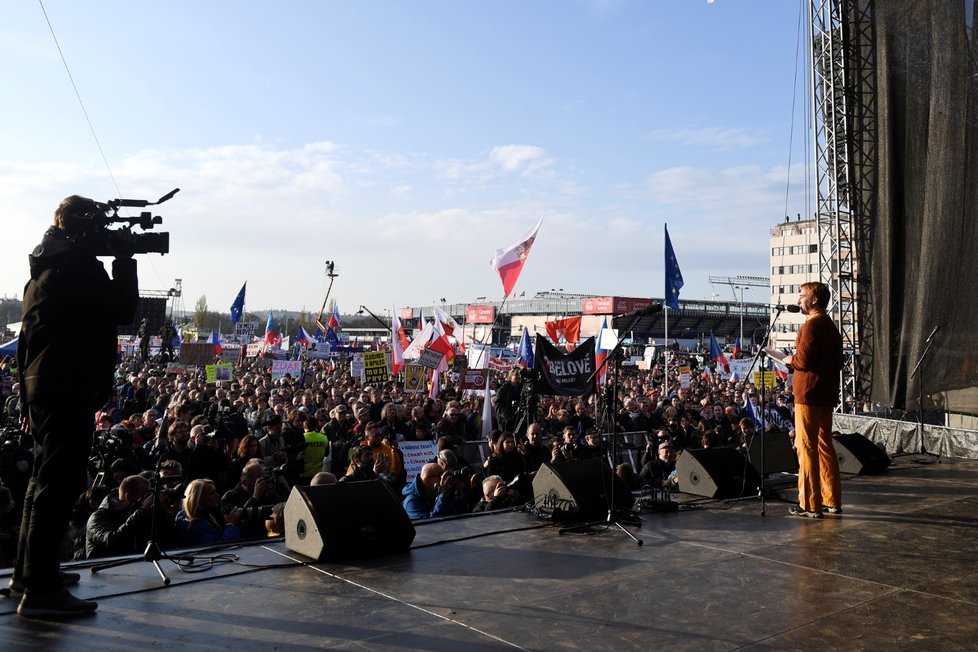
(632, 536)
(166, 580)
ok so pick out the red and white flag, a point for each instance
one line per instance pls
(509, 262)
(569, 329)
(448, 323)
(397, 346)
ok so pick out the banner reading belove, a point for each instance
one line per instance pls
(563, 374)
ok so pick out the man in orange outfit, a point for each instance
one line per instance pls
(818, 365)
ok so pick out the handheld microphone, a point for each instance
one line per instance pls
(791, 308)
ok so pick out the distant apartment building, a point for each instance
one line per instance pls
(794, 260)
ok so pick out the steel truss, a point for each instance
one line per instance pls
(843, 48)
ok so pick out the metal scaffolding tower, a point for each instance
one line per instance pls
(844, 109)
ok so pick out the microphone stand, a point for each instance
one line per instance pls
(611, 402)
(920, 398)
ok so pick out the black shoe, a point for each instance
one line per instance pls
(67, 579)
(796, 510)
(56, 604)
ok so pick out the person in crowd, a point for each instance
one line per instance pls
(626, 473)
(661, 472)
(317, 456)
(375, 441)
(505, 460)
(254, 494)
(391, 424)
(365, 466)
(534, 453)
(497, 495)
(590, 448)
(124, 521)
(431, 496)
(246, 451)
(200, 522)
(452, 426)
(321, 478)
(507, 402)
(66, 280)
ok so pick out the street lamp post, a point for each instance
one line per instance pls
(741, 288)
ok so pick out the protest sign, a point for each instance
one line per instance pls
(416, 455)
(216, 372)
(476, 379)
(431, 358)
(375, 367)
(356, 367)
(414, 379)
(282, 367)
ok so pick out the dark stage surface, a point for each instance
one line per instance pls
(897, 571)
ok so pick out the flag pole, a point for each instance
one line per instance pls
(666, 351)
(482, 349)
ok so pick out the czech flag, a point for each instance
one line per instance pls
(716, 354)
(736, 347)
(334, 319)
(216, 341)
(269, 334)
(303, 337)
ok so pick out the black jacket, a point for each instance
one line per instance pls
(117, 529)
(67, 345)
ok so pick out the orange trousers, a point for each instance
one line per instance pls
(819, 483)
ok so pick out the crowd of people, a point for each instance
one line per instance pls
(236, 448)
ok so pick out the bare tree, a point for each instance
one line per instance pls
(200, 311)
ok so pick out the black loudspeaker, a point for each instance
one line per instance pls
(579, 490)
(859, 456)
(344, 520)
(779, 456)
(153, 310)
(716, 473)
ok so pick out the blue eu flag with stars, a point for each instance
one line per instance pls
(674, 278)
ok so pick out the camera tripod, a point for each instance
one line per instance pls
(616, 517)
(153, 553)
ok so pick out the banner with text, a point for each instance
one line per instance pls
(563, 374)
(282, 367)
(375, 367)
(416, 455)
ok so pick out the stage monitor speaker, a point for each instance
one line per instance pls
(716, 473)
(779, 456)
(346, 520)
(859, 456)
(579, 490)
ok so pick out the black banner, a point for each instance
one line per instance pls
(563, 374)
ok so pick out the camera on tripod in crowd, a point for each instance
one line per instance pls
(100, 240)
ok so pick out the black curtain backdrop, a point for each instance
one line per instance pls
(919, 264)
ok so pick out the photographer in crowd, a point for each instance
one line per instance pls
(123, 522)
(434, 493)
(68, 299)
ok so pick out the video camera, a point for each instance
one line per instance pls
(99, 239)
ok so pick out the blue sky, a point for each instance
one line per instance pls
(406, 141)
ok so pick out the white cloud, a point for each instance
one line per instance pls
(271, 215)
(716, 137)
(518, 158)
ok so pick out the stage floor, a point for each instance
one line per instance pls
(896, 571)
